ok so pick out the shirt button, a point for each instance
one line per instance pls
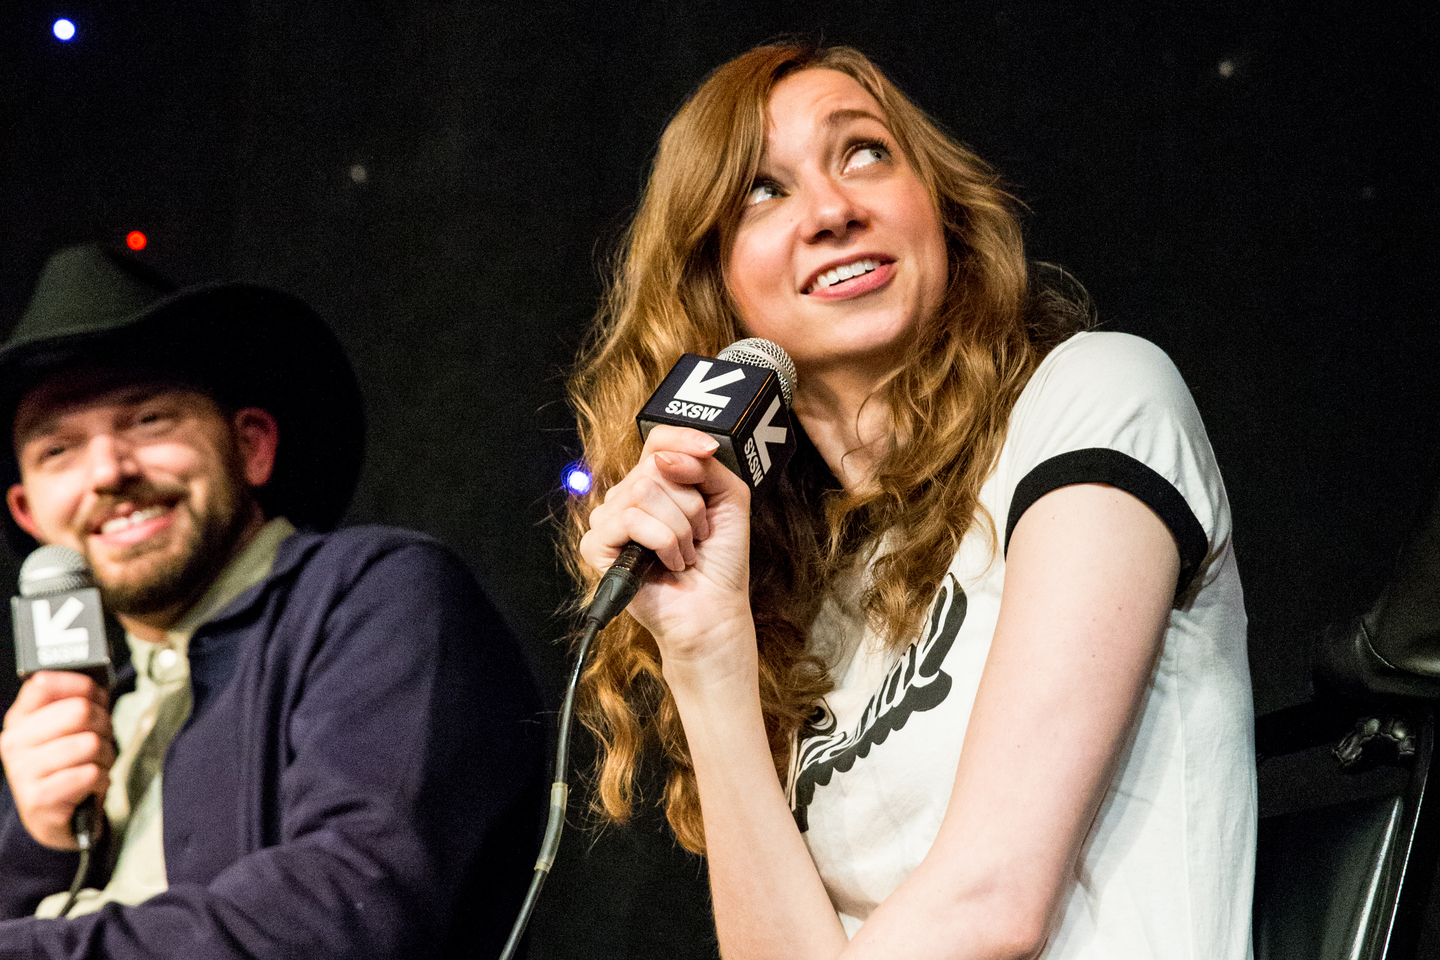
(166, 658)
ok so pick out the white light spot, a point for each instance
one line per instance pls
(359, 174)
(64, 29)
(1226, 69)
(577, 480)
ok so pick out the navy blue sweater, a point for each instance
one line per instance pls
(360, 776)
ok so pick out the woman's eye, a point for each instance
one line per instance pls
(866, 155)
(765, 190)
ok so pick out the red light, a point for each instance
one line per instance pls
(135, 240)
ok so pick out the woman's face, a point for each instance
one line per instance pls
(839, 254)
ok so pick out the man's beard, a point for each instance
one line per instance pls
(177, 581)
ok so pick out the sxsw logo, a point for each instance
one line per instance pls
(737, 404)
(57, 639)
(695, 399)
(757, 448)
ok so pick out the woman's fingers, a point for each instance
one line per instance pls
(657, 504)
(661, 515)
(679, 440)
(665, 516)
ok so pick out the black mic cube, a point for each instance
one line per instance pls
(736, 403)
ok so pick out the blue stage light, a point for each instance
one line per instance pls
(64, 30)
(577, 479)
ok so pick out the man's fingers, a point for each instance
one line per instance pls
(53, 801)
(69, 787)
(71, 752)
(58, 719)
(47, 686)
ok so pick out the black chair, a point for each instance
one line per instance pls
(1349, 842)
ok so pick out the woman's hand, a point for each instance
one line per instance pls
(695, 514)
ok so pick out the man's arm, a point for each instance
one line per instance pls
(28, 871)
(412, 754)
(57, 749)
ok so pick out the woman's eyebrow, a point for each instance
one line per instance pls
(838, 118)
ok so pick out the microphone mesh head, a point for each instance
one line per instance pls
(763, 353)
(53, 569)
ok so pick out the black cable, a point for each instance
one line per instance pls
(83, 823)
(613, 593)
(559, 795)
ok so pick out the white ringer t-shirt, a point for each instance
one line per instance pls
(1167, 868)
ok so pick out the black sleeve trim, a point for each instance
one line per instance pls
(1124, 472)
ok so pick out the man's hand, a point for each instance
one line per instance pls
(57, 748)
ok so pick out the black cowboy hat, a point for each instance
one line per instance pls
(245, 345)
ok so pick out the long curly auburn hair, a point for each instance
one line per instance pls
(950, 402)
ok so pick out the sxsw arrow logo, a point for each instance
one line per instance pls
(757, 448)
(696, 389)
(56, 640)
(767, 434)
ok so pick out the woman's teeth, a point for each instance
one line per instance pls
(116, 524)
(849, 270)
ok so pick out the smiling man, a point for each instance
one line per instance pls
(325, 745)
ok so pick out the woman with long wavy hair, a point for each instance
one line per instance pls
(971, 681)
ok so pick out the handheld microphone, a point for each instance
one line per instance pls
(60, 625)
(741, 398)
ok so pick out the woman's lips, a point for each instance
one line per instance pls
(857, 286)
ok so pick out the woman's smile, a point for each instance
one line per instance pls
(851, 279)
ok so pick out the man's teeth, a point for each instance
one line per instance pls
(849, 270)
(116, 524)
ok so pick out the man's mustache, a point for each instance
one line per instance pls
(139, 494)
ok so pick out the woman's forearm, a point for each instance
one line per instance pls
(768, 898)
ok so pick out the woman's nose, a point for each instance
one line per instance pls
(833, 212)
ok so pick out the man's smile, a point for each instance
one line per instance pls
(129, 523)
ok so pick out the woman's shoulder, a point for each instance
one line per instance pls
(1110, 407)
(1107, 358)
(1100, 370)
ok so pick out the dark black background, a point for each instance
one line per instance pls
(1249, 185)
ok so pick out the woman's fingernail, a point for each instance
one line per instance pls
(666, 459)
(711, 444)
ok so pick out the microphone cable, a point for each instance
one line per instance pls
(83, 824)
(613, 594)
